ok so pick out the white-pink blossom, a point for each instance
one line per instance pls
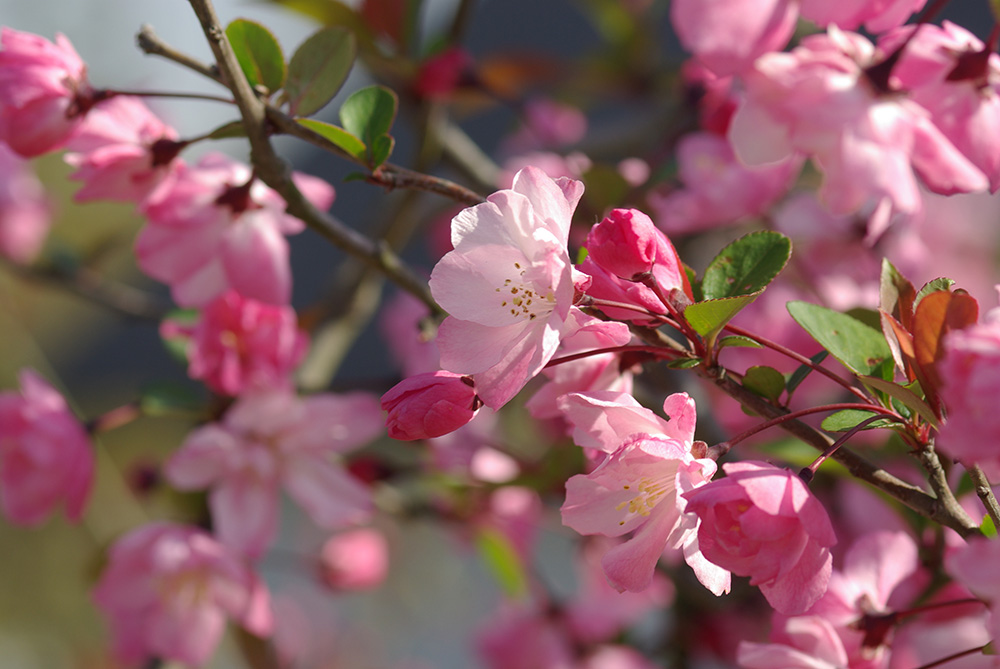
(638, 488)
(507, 285)
(269, 441)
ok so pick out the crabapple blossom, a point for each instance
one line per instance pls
(25, 213)
(969, 372)
(727, 35)
(819, 100)
(624, 243)
(216, 227)
(950, 73)
(639, 487)
(168, 589)
(876, 15)
(718, 189)
(507, 285)
(46, 457)
(239, 344)
(763, 522)
(441, 74)
(122, 152)
(429, 405)
(548, 125)
(270, 440)
(355, 560)
(667, 271)
(802, 642)
(44, 93)
(974, 567)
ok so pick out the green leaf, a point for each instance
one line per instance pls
(699, 296)
(908, 398)
(229, 131)
(381, 149)
(987, 527)
(581, 255)
(318, 69)
(337, 136)
(842, 421)
(684, 363)
(503, 561)
(710, 316)
(800, 374)
(369, 113)
(764, 381)
(933, 286)
(738, 341)
(747, 265)
(259, 54)
(860, 348)
(896, 293)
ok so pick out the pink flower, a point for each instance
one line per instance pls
(507, 285)
(819, 100)
(762, 522)
(46, 456)
(970, 372)
(639, 487)
(429, 405)
(240, 344)
(727, 35)
(216, 228)
(803, 642)
(168, 589)
(668, 272)
(624, 243)
(949, 72)
(25, 214)
(548, 125)
(355, 560)
(123, 152)
(273, 440)
(441, 74)
(719, 189)
(44, 92)
(876, 15)
(974, 566)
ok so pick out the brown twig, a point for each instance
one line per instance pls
(943, 509)
(985, 493)
(275, 172)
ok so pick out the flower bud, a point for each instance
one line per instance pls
(429, 405)
(624, 243)
(355, 560)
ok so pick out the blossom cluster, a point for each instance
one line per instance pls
(533, 309)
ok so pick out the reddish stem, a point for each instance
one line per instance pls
(656, 350)
(807, 473)
(798, 358)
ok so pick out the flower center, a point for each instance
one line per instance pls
(649, 493)
(524, 300)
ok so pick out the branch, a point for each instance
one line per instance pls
(275, 172)
(92, 286)
(985, 493)
(941, 511)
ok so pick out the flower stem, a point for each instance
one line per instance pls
(807, 473)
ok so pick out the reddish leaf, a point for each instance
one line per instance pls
(386, 18)
(900, 343)
(935, 316)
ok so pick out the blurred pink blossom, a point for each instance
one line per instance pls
(122, 152)
(273, 440)
(44, 93)
(46, 456)
(25, 212)
(819, 100)
(168, 589)
(216, 227)
(355, 560)
(763, 522)
(239, 344)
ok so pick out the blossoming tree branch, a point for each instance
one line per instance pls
(723, 355)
